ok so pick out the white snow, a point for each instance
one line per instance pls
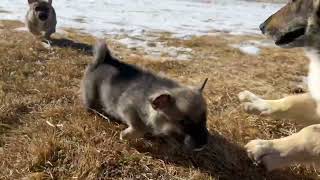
(183, 17)
(247, 48)
(157, 49)
(253, 47)
(133, 18)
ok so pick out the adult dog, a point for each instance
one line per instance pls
(295, 25)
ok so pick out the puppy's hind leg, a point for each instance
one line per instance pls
(90, 95)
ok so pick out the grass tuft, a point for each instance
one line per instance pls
(45, 133)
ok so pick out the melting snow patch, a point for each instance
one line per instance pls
(253, 47)
(263, 43)
(157, 49)
(247, 48)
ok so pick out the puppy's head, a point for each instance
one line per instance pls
(41, 9)
(185, 113)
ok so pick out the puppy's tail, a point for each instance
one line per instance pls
(101, 53)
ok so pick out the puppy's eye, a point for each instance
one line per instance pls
(39, 8)
(182, 122)
(185, 122)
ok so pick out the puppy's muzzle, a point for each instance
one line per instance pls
(43, 16)
(197, 142)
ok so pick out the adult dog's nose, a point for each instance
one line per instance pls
(263, 27)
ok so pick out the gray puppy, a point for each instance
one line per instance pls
(41, 17)
(146, 102)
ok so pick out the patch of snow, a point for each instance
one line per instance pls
(247, 48)
(156, 49)
(253, 47)
(263, 43)
(182, 17)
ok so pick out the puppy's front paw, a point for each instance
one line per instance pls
(130, 133)
(253, 104)
(263, 151)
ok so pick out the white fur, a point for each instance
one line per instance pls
(301, 147)
(314, 73)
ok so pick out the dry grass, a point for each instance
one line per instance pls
(46, 134)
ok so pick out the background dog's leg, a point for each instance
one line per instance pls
(34, 32)
(300, 108)
(48, 33)
(302, 147)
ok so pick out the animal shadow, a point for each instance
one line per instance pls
(221, 159)
(81, 47)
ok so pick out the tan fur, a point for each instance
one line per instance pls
(301, 108)
(302, 147)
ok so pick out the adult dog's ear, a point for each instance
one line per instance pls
(161, 101)
(50, 2)
(32, 1)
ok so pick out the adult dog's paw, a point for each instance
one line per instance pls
(253, 104)
(263, 152)
(258, 148)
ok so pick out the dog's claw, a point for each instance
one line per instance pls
(262, 152)
(253, 104)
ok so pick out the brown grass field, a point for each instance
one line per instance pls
(45, 133)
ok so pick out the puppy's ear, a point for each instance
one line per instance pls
(32, 1)
(161, 101)
(50, 2)
(203, 85)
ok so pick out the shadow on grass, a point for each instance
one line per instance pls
(67, 43)
(221, 159)
(12, 119)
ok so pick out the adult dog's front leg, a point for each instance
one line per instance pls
(302, 147)
(300, 108)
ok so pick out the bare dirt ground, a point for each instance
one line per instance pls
(46, 134)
